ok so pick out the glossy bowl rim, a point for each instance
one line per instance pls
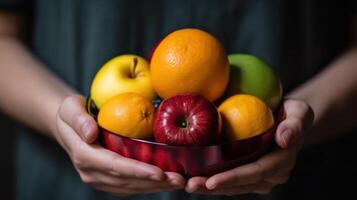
(190, 146)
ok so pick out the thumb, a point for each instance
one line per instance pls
(299, 118)
(72, 112)
(288, 132)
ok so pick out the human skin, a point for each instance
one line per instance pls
(320, 109)
(63, 118)
(37, 98)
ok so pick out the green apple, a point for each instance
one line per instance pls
(250, 75)
(125, 73)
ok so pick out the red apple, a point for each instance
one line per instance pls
(187, 120)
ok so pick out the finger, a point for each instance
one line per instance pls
(176, 179)
(299, 117)
(95, 179)
(251, 173)
(126, 187)
(95, 157)
(288, 131)
(72, 111)
(115, 191)
(66, 136)
(262, 187)
(196, 184)
(243, 175)
(279, 179)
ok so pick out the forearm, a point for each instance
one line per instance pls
(333, 96)
(28, 92)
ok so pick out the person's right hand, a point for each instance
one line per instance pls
(102, 169)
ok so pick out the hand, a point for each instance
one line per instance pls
(101, 168)
(268, 171)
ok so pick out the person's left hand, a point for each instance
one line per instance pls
(270, 170)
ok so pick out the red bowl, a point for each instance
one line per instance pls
(192, 160)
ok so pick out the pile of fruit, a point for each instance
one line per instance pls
(191, 93)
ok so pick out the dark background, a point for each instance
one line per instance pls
(8, 131)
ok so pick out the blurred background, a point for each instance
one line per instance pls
(7, 175)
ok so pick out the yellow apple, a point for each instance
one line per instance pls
(125, 73)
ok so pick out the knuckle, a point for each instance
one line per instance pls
(79, 160)
(113, 169)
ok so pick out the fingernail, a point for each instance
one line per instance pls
(287, 137)
(86, 129)
(210, 185)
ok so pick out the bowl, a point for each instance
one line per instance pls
(192, 161)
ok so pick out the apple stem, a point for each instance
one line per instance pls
(132, 75)
(184, 124)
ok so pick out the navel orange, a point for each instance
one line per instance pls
(127, 114)
(245, 116)
(189, 61)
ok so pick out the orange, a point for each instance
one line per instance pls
(245, 116)
(127, 114)
(189, 61)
